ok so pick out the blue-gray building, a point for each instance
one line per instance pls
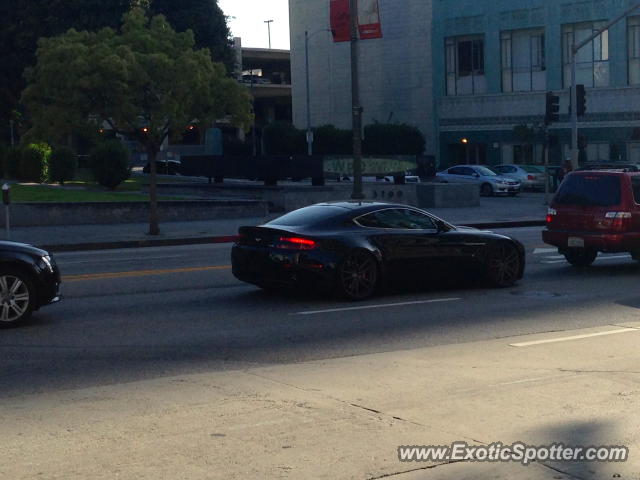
(493, 63)
(471, 74)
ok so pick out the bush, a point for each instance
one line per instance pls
(282, 138)
(12, 162)
(235, 146)
(33, 165)
(3, 159)
(62, 165)
(110, 164)
(329, 140)
(392, 139)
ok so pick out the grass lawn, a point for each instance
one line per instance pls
(43, 193)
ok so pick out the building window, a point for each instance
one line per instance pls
(465, 65)
(592, 60)
(523, 61)
(634, 50)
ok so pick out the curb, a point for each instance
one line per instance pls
(172, 242)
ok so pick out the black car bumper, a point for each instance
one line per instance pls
(48, 287)
(282, 268)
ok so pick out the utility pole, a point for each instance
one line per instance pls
(355, 104)
(574, 92)
(268, 22)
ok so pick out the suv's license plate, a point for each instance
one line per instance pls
(575, 242)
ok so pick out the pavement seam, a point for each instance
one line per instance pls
(404, 472)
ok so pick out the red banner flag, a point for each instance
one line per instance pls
(369, 19)
(340, 20)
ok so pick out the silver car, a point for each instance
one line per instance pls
(531, 177)
(490, 182)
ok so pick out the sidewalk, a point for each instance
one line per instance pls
(523, 210)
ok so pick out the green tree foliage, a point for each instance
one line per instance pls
(62, 165)
(33, 165)
(392, 139)
(143, 83)
(110, 164)
(23, 22)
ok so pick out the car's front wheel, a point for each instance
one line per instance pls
(17, 296)
(580, 257)
(503, 265)
(486, 190)
(358, 275)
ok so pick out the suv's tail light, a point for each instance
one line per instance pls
(619, 220)
(550, 214)
(296, 243)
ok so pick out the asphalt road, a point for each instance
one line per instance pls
(143, 313)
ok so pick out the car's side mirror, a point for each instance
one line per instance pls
(477, 175)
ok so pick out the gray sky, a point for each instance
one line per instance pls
(250, 15)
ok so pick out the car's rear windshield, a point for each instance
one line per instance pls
(594, 190)
(308, 216)
(532, 169)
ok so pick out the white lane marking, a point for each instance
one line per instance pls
(526, 380)
(537, 251)
(384, 305)
(574, 337)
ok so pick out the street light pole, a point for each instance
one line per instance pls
(355, 105)
(268, 22)
(575, 47)
(307, 37)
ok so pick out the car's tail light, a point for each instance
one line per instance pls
(531, 177)
(296, 243)
(550, 214)
(620, 220)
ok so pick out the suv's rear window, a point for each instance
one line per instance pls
(595, 190)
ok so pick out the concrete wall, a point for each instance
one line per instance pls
(82, 213)
(396, 71)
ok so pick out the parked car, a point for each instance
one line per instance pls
(356, 247)
(165, 167)
(531, 177)
(255, 79)
(595, 211)
(29, 280)
(490, 182)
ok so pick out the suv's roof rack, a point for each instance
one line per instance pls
(623, 167)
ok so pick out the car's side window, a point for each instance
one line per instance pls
(455, 171)
(468, 171)
(397, 218)
(500, 169)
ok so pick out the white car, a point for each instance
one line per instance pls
(531, 177)
(490, 182)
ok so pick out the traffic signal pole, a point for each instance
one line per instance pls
(575, 48)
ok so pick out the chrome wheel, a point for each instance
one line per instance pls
(503, 265)
(14, 298)
(358, 275)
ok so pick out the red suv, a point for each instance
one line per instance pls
(595, 211)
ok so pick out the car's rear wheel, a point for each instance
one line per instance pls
(503, 265)
(17, 296)
(580, 257)
(486, 190)
(358, 275)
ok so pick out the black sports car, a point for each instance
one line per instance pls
(29, 279)
(356, 247)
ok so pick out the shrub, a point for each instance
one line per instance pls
(235, 146)
(3, 159)
(62, 165)
(110, 164)
(282, 138)
(33, 165)
(392, 139)
(329, 140)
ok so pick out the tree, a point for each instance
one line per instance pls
(143, 82)
(23, 23)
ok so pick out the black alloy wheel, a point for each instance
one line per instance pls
(358, 275)
(503, 265)
(580, 257)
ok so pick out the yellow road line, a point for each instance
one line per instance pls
(139, 273)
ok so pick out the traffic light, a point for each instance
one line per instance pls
(552, 113)
(581, 96)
